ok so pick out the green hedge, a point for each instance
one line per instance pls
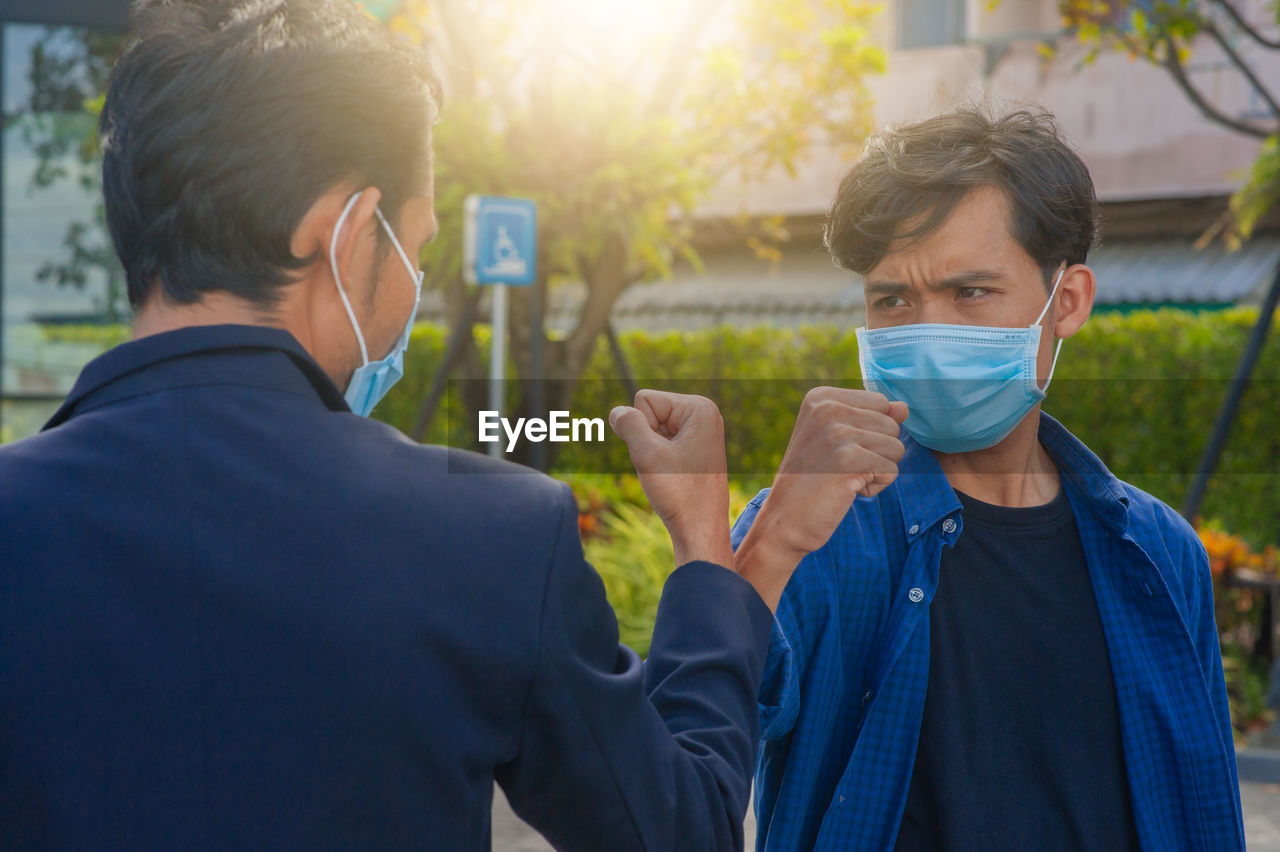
(1141, 389)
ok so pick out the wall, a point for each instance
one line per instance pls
(1135, 128)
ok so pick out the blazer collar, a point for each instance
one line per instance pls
(116, 370)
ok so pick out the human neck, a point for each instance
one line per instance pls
(1016, 472)
(293, 313)
(158, 315)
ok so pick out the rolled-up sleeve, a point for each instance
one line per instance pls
(779, 696)
(779, 693)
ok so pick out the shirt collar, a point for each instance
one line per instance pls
(129, 360)
(1084, 475)
(924, 493)
(927, 498)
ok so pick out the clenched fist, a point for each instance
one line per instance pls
(676, 442)
(845, 443)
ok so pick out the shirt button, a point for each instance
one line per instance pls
(915, 528)
(916, 595)
(948, 526)
(867, 697)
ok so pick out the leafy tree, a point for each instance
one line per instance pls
(1163, 32)
(620, 139)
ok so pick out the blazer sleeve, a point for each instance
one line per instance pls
(619, 754)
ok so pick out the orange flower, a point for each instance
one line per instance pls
(1228, 553)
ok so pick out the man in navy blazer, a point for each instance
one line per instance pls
(235, 613)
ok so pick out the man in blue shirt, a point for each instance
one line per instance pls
(1002, 646)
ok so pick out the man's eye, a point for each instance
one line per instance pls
(889, 302)
(970, 292)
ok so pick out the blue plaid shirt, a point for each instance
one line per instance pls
(844, 688)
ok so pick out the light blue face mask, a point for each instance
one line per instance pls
(966, 386)
(372, 379)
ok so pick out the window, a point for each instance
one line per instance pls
(62, 295)
(930, 23)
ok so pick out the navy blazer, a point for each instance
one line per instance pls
(235, 615)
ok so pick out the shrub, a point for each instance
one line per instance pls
(1141, 389)
(632, 552)
(634, 557)
(1238, 611)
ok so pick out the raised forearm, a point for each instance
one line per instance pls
(764, 560)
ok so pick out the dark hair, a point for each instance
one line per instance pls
(225, 120)
(910, 179)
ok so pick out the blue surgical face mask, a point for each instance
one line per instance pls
(372, 379)
(966, 387)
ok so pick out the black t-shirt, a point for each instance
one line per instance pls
(1020, 743)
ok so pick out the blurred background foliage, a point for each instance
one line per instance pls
(628, 545)
(619, 120)
(1140, 389)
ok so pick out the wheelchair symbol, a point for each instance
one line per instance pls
(507, 259)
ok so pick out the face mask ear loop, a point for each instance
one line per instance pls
(1052, 293)
(1054, 365)
(414, 272)
(337, 277)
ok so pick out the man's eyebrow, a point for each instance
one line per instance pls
(963, 279)
(884, 288)
(967, 278)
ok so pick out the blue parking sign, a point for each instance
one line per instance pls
(500, 240)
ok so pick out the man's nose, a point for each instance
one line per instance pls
(936, 310)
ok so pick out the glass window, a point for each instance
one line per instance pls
(930, 23)
(62, 293)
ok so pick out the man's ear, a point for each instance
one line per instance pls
(315, 233)
(1075, 300)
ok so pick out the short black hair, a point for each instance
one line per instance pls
(225, 121)
(910, 178)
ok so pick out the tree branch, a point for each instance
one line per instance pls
(1243, 68)
(1174, 65)
(1246, 27)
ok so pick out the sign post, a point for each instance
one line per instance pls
(500, 249)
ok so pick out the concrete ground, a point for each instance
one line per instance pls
(1261, 816)
(1260, 797)
(1259, 794)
